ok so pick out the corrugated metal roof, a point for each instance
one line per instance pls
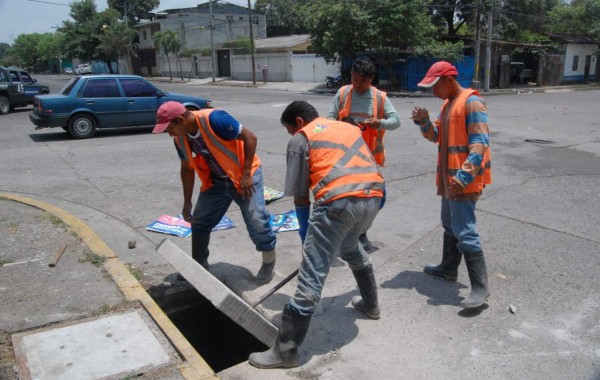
(281, 42)
(574, 39)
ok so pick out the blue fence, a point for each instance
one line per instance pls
(411, 70)
(414, 69)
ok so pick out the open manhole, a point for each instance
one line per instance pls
(219, 340)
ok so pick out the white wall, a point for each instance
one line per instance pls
(278, 67)
(580, 50)
(282, 67)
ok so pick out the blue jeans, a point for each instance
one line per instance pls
(458, 219)
(333, 227)
(213, 203)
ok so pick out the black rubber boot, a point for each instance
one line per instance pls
(366, 243)
(285, 352)
(479, 279)
(200, 249)
(199, 244)
(451, 258)
(367, 301)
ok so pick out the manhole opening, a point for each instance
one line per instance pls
(219, 340)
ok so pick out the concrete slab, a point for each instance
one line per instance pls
(218, 294)
(108, 347)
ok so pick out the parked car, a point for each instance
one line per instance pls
(105, 101)
(84, 68)
(68, 70)
(17, 89)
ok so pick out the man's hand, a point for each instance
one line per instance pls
(186, 212)
(247, 186)
(418, 114)
(372, 123)
(455, 186)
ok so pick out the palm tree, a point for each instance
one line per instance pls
(168, 41)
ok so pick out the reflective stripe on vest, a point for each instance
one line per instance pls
(340, 162)
(373, 137)
(229, 154)
(458, 146)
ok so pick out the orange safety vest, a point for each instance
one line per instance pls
(340, 162)
(373, 137)
(458, 146)
(228, 153)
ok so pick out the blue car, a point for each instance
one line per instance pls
(90, 102)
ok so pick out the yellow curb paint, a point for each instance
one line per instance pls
(194, 367)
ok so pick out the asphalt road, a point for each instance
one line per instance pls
(539, 225)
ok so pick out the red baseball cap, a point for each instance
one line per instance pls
(435, 72)
(166, 113)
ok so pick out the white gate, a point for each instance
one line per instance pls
(311, 68)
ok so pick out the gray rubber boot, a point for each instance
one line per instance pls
(267, 269)
(285, 352)
(367, 301)
(479, 280)
(451, 258)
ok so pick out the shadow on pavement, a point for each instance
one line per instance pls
(438, 291)
(58, 134)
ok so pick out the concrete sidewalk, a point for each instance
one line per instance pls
(61, 315)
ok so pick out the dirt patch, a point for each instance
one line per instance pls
(7, 358)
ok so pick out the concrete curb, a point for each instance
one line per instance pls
(194, 367)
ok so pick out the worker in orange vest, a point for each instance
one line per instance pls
(216, 147)
(331, 159)
(361, 104)
(463, 170)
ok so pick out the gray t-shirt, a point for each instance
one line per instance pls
(297, 179)
(362, 109)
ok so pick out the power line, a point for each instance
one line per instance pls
(49, 2)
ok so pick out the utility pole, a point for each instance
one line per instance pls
(128, 42)
(476, 84)
(252, 44)
(488, 49)
(212, 46)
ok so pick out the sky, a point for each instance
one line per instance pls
(26, 16)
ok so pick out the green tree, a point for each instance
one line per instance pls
(116, 42)
(82, 34)
(92, 35)
(3, 49)
(168, 42)
(25, 49)
(284, 17)
(341, 29)
(136, 9)
(451, 15)
(580, 17)
(518, 20)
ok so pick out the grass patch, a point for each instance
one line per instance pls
(93, 258)
(13, 228)
(53, 219)
(3, 261)
(135, 272)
